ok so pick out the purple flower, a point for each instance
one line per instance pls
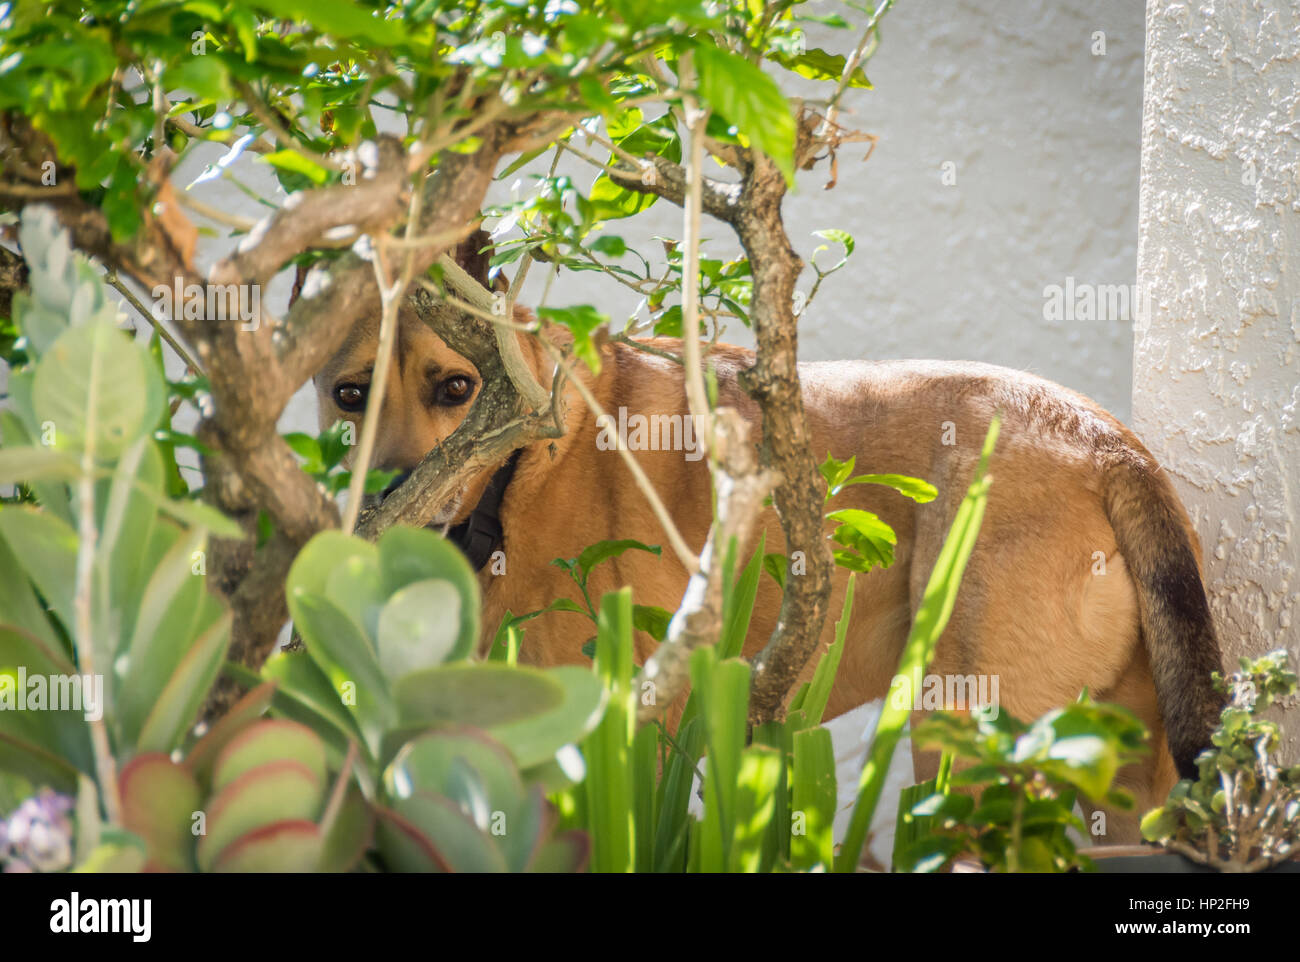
(38, 835)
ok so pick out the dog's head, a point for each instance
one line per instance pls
(430, 387)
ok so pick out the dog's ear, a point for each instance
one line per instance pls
(474, 254)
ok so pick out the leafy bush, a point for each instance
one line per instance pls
(1242, 812)
(1022, 782)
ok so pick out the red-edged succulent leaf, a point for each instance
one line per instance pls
(461, 844)
(567, 852)
(277, 739)
(404, 846)
(159, 799)
(348, 824)
(242, 714)
(276, 791)
(351, 833)
(291, 845)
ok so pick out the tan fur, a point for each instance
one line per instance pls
(1031, 610)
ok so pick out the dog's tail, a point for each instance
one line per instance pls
(1153, 534)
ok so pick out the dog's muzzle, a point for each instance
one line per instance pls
(480, 534)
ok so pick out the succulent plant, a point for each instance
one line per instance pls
(451, 749)
(253, 795)
(455, 802)
(389, 631)
(1242, 812)
(80, 417)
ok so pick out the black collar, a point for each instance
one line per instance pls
(479, 535)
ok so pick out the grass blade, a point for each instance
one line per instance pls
(936, 607)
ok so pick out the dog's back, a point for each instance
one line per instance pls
(1085, 574)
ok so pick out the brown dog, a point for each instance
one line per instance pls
(1086, 572)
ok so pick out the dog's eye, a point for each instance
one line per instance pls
(455, 390)
(351, 397)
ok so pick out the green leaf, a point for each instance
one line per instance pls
(345, 656)
(180, 701)
(408, 555)
(819, 692)
(844, 239)
(532, 712)
(865, 535)
(418, 627)
(835, 472)
(449, 835)
(760, 771)
(813, 799)
(92, 386)
(205, 77)
(775, 563)
(750, 100)
(118, 852)
(159, 798)
(817, 64)
(288, 845)
(274, 792)
(243, 713)
(738, 604)
(724, 687)
(342, 18)
(919, 491)
(611, 245)
(604, 550)
(610, 784)
(29, 463)
(173, 609)
(350, 835)
(47, 550)
(268, 740)
(582, 321)
(610, 200)
(295, 162)
(304, 693)
(653, 621)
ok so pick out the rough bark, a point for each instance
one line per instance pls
(773, 382)
(753, 209)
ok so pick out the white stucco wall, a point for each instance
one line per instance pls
(1216, 391)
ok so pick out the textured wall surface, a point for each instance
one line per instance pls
(1043, 135)
(1216, 391)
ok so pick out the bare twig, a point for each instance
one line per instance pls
(696, 394)
(866, 46)
(390, 298)
(115, 282)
